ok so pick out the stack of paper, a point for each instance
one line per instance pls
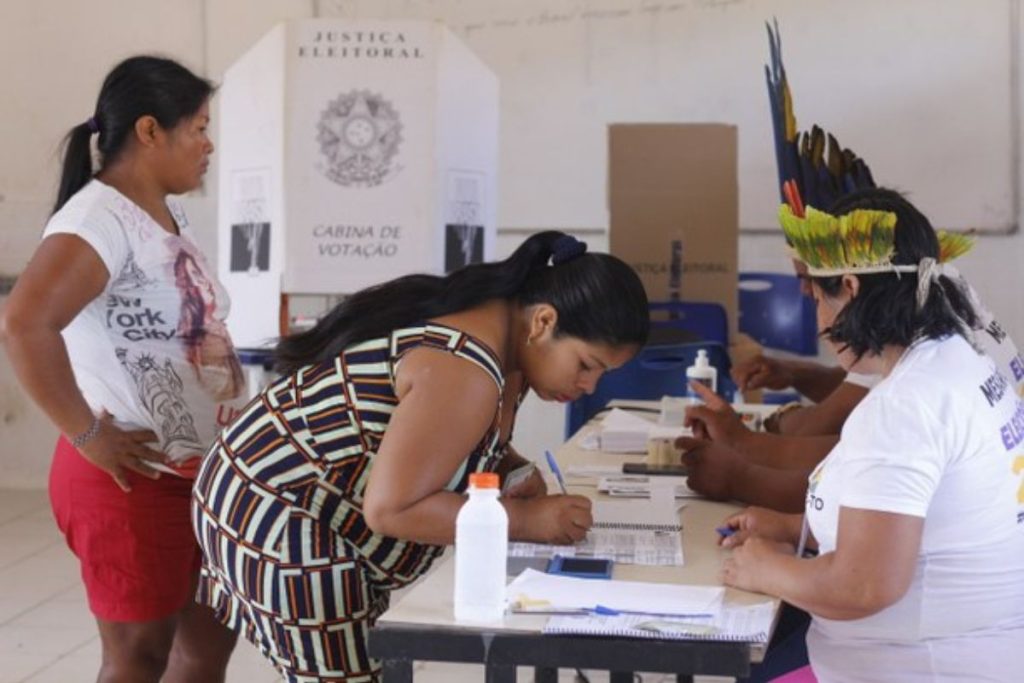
(583, 472)
(639, 486)
(623, 432)
(534, 591)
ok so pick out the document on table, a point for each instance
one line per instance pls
(745, 623)
(534, 591)
(627, 532)
(640, 486)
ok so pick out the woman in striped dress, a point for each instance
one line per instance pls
(342, 480)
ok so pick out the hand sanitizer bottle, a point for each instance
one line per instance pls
(481, 552)
(701, 371)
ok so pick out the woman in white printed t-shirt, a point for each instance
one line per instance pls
(116, 330)
(918, 513)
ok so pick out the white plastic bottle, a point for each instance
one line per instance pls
(701, 371)
(481, 551)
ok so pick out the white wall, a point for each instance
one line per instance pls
(55, 55)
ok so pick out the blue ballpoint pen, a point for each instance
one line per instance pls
(601, 610)
(555, 471)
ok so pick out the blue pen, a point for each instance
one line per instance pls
(612, 612)
(555, 471)
(725, 531)
(606, 611)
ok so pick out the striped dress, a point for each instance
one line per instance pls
(288, 557)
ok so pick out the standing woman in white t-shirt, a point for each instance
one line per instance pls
(116, 330)
(918, 513)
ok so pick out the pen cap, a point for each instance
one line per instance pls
(483, 480)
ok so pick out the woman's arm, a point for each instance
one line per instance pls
(786, 452)
(718, 422)
(871, 568)
(64, 275)
(813, 380)
(445, 407)
(827, 417)
(721, 473)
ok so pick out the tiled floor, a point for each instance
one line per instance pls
(48, 636)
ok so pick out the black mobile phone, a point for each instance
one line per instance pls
(654, 470)
(581, 567)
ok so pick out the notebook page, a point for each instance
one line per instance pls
(622, 513)
(746, 623)
(553, 592)
(628, 532)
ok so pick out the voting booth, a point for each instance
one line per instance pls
(351, 152)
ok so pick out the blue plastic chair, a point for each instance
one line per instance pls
(706, 320)
(776, 314)
(654, 372)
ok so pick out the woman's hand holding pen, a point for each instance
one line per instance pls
(767, 525)
(560, 519)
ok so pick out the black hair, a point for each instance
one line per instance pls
(597, 296)
(138, 86)
(884, 312)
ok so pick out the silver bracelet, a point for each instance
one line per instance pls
(87, 436)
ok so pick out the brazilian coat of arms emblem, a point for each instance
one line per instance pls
(359, 134)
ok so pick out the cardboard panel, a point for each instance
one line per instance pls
(674, 209)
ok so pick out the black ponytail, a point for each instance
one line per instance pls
(137, 87)
(76, 169)
(598, 298)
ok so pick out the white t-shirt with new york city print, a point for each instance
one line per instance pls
(939, 438)
(153, 349)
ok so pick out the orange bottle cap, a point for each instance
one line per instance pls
(483, 480)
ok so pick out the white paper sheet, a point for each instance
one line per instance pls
(537, 591)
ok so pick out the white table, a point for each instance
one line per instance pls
(421, 626)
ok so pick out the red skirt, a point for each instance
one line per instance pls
(138, 555)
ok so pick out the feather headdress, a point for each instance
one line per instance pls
(814, 170)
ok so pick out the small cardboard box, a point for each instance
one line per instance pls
(674, 210)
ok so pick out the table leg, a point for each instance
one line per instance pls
(500, 673)
(397, 670)
(545, 675)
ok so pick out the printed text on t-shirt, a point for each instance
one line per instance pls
(994, 388)
(135, 323)
(1013, 431)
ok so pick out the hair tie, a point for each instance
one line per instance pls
(94, 127)
(566, 248)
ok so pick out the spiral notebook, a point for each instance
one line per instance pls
(625, 531)
(738, 623)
